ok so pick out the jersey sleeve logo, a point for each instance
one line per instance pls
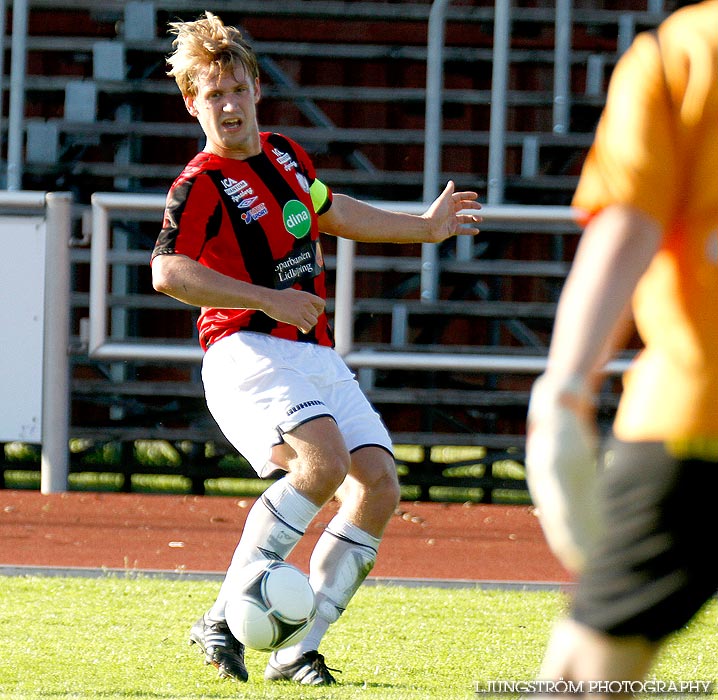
(297, 219)
(284, 159)
(303, 182)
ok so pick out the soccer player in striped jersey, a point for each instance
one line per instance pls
(241, 240)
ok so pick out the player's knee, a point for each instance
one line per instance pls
(390, 490)
(334, 469)
(320, 472)
(317, 457)
(377, 482)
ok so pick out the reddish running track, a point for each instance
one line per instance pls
(198, 534)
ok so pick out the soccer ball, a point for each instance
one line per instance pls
(272, 605)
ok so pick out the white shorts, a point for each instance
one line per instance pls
(259, 387)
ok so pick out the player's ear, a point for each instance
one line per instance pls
(257, 91)
(189, 104)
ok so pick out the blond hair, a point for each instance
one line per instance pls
(205, 43)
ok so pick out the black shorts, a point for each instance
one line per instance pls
(654, 568)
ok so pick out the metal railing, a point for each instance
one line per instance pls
(108, 207)
(101, 346)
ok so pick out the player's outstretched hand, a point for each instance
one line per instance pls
(561, 467)
(293, 306)
(453, 213)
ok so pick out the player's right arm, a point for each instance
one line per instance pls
(192, 283)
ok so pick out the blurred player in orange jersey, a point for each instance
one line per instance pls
(637, 529)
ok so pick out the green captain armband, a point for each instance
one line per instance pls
(321, 196)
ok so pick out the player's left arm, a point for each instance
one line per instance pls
(615, 250)
(452, 213)
(562, 441)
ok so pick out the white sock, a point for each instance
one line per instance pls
(342, 558)
(274, 525)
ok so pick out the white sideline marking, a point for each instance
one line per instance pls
(82, 572)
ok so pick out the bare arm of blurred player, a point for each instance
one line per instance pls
(615, 249)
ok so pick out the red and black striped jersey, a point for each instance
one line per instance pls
(254, 220)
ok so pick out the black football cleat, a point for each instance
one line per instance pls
(220, 648)
(308, 669)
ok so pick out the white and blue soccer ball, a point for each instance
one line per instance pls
(272, 605)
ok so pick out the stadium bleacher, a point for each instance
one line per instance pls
(347, 80)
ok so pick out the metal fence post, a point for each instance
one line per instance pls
(499, 88)
(432, 139)
(3, 15)
(17, 94)
(562, 68)
(344, 297)
(54, 458)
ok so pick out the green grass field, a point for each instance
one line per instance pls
(126, 638)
